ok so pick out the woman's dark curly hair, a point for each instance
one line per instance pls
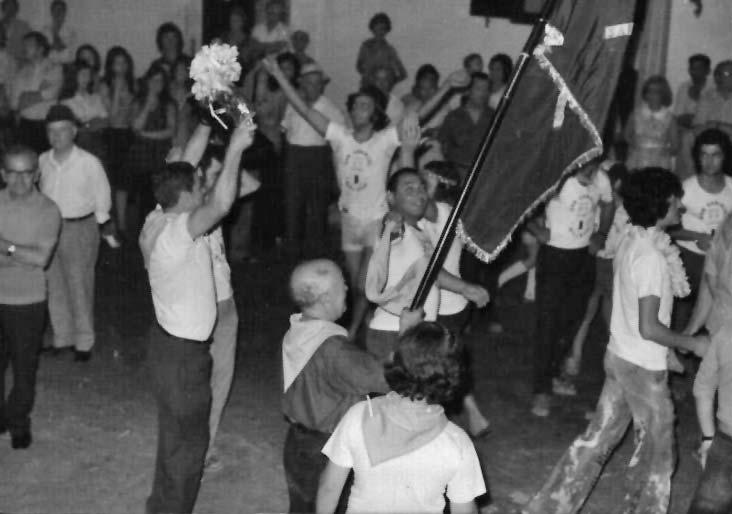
(646, 195)
(713, 137)
(506, 63)
(427, 365)
(379, 119)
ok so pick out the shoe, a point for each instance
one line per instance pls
(562, 387)
(212, 464)
(21, 441)
(541, 405)
(81, 356)
(572, 366)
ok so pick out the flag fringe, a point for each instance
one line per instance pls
(564, 94)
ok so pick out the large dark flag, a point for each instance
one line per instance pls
(553, 123)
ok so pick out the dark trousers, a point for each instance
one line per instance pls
(564, 282)
(714, 493)
(303, 462)
(307, 178)
(181, 371)
(32, 133)
(21, 337)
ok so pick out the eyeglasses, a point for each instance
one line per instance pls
(30, 171)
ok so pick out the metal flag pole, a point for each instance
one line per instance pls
(448, 233)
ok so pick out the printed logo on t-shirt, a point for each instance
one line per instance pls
(358, 163)
(713, 213)
(583, 215)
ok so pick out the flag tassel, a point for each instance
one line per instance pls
(448, 233)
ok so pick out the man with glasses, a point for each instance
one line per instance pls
(29, 228)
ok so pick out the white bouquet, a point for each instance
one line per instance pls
(214, 70)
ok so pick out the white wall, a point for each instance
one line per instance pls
(130, 23)
(711, 34)
(440, 32)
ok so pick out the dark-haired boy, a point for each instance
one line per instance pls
(324, 375)
(647, 277)
(179, 264)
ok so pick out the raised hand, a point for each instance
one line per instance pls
(409, 130)
(458, 79)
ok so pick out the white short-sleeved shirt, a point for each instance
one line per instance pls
(279, 32)
(87, 108)
(403, 253)
(410, 483)
(299, 132)
(362, 169)
(572, 215)
(704, 211)
(640, 271)
(450, 303)
(221, 269)
(181, 276)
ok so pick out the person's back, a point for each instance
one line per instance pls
(436, 459)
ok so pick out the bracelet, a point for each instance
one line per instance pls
(706, 438)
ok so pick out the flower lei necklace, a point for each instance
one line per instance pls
(662, 242)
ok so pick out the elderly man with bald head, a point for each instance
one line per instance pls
(324, 375)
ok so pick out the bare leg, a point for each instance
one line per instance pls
(575, 357)
(477, 423)
(357, 265)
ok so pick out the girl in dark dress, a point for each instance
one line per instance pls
(118, 94)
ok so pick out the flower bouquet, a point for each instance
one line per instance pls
(214, 70)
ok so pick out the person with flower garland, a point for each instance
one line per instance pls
(363, 155)
(648, 274)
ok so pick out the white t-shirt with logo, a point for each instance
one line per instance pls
(704, 211)
(181, 277)
(572, 216)
(404, 252)
(641, 270)
(298, 130)
(450, 303)
(362, 169)
(415, 482)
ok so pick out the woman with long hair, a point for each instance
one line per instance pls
(118, 94)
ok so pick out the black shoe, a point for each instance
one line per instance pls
(21, 441)
(81, 356)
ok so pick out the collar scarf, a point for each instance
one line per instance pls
(301, 342)
(394, 426)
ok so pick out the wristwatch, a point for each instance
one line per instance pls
(10, 251)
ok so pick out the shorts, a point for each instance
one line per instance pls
(604, 276)
(358, 233)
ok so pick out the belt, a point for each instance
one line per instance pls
(183, 339)
(80, 218)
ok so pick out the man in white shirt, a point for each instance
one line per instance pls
(636, 384)
(36, 87)
(273, 32)
(180, 268)
(707, 202)
(75, 180)
(60, 35)
(714, 109)
(565, 273)
(309, 174)
(395, 268)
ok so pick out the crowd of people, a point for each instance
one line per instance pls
(92, 153)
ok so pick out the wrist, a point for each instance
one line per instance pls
(707, 438)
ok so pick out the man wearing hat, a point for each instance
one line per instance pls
(75, 180)
(309, 174)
